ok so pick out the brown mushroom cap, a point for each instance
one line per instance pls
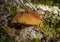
(30, 18)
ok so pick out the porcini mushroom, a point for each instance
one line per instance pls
(25, 18)
(29, 18)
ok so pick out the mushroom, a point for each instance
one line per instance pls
(27, 18)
